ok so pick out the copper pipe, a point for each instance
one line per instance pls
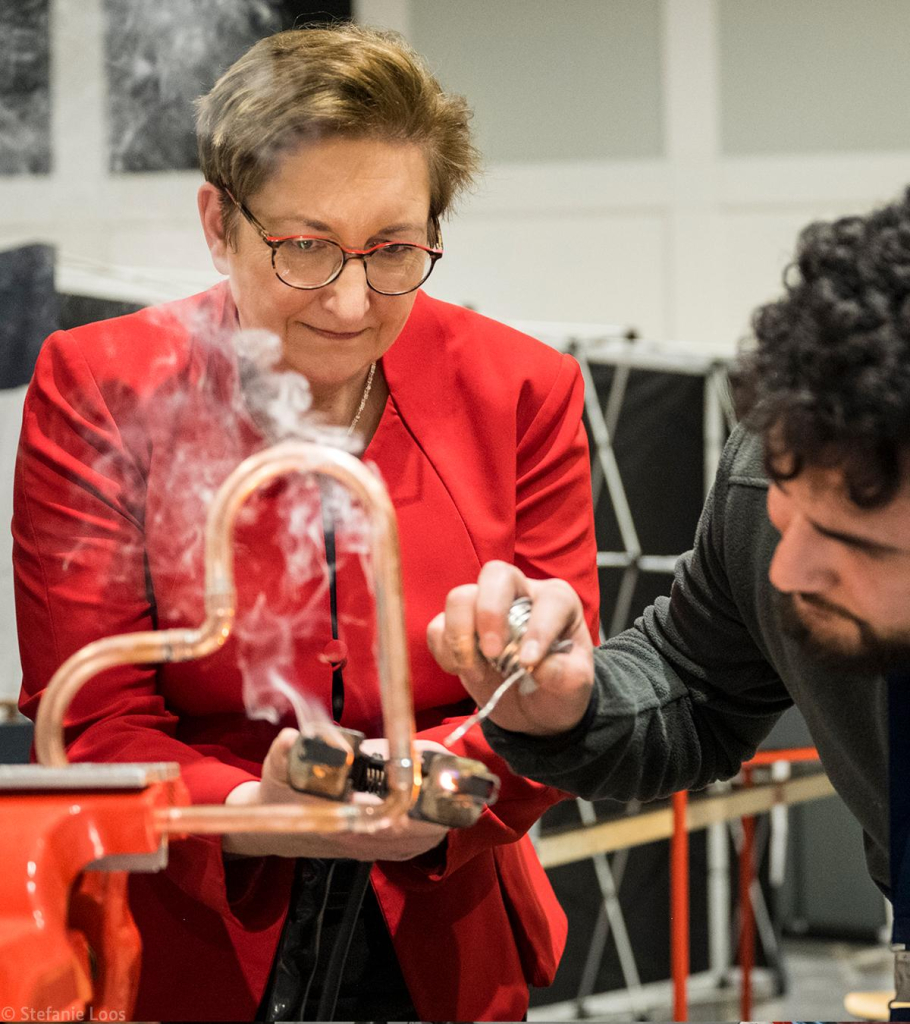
(170, 645)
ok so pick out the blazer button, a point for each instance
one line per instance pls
(335, 653)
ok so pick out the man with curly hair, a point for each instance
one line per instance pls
(797, 590)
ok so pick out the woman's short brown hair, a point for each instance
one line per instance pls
(315, 83)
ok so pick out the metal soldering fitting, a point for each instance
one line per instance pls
(320, 768)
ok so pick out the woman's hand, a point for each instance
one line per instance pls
(479, 613)
(403, 840)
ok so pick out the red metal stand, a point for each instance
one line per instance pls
(746, 912)
(679, 906)
(793, 755)
(747, 870)
(679, 888)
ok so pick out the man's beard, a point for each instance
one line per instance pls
(870, 654)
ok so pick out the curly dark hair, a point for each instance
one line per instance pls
(828, 383)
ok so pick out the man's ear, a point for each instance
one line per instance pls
(209, 203)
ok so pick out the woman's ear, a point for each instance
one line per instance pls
(209, 203)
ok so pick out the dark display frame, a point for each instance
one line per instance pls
(25, 100)
(161, 56)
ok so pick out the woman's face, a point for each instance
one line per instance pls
(356, 192)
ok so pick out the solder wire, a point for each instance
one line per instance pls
(508, 665)
(482, 713)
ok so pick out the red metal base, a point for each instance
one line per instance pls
(68, 944)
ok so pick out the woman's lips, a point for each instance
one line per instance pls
(333, 335)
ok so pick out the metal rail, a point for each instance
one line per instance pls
(650, 825)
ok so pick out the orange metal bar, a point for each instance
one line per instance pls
(679, 906)
(746, 914)
(791, 754)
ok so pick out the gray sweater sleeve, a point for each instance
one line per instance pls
(681, 698)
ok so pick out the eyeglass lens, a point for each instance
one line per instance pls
(312, 262)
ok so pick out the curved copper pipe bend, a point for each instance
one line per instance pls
(310, 815)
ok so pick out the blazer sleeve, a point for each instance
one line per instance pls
(554, 537)
(80, 574)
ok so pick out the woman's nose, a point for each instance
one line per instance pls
(348, 296)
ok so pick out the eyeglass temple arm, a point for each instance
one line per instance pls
(249, 216)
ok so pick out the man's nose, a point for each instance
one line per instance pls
(803, 561)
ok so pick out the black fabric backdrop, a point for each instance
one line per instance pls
(659, 444)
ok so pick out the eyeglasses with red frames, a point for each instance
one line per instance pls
(308, 261)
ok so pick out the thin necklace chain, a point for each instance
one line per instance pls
(363, 401)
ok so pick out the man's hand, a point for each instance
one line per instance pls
(403, 840)
(478, 613)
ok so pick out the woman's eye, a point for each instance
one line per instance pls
(394, 251)
(308, 244)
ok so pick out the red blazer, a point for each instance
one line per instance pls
(129, 426)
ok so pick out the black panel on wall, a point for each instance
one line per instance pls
(659, 449)
(162, 55)
(76, 310)
(28, 310)
(25, 124)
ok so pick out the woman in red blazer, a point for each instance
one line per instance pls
(129, 426)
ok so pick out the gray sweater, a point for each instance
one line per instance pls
(688, 693)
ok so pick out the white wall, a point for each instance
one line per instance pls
(771, 113)
(672, 208)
